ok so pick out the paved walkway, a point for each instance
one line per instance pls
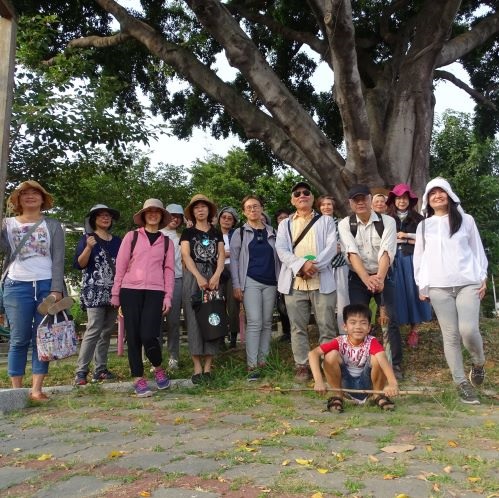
(180, 444)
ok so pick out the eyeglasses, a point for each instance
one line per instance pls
(298, 193)
(253, 207)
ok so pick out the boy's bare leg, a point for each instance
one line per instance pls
(377, 376)
(332, 371)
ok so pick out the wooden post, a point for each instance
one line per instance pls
(8, 28)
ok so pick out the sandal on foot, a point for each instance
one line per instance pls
(384, 402)
(335, 404)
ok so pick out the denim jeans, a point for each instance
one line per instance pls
(299, 305)
(101, 322)
(259, 302)
(458, 313)
(21, 300)
(360, 294)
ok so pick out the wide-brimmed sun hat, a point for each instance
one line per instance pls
(138, 217)
(13, 200)
(195, 200)
(398, 191)
(92, 214)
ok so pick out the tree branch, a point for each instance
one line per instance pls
(289, 115)
(361, 160)
(463, 44)
(256, 124)
(304, 37)
(479, 97)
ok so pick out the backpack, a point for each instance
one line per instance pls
(166, 240)
(378, 225)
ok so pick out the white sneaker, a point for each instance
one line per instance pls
(172, 364)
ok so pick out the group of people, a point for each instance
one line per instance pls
(311, 262)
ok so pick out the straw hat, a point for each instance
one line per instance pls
(200, 198)
(13, 200)
(148, 204)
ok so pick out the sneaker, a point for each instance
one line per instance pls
(413, 338)
(253, 375)
(81, 379)
(142, 388)
(162, 380)
(172, 364)
(302, 373)
(102, 376)
(477, 374)
(467, 393)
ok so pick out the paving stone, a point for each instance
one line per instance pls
(146, 460)
(14, 475)
(409, 487)
(194, 466)
(182, 493)
(77, 487)
(256, 473)
(238, 419)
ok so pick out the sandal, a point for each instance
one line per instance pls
(384, 402)
(335, 404)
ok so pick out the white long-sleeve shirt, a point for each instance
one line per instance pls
(448, 261)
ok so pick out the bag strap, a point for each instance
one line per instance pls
(18, 248)
(378, 225)
(304, 231)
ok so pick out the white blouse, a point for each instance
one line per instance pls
(446, 261)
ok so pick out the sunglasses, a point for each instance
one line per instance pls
(298, 193)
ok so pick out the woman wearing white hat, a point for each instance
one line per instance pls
(96, 256)
(143, 286)
(450, 269)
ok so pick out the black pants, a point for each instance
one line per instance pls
(142, 312)
(360, 294)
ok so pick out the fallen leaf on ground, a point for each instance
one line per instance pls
(452, 444)
(44, 456)
(144, 493)
(373, 459)
(16, 449)
(402, 495)
(322, 471)
(285, 462)
(115, 454)
(448, 469)
(429, 449)
(436, 488)
(398, 448)
(302, 461)
(317, 495)
(474, 479)
(389, 477)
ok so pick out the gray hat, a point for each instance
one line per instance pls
(231, 211)
(175, 209)
(90, 217)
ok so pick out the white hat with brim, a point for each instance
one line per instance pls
(444, 185)
(175, 209)
(148, 204)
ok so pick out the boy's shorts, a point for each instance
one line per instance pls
(363, 381)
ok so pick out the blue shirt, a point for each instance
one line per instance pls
(261, 265)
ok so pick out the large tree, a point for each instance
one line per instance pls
(385, 55)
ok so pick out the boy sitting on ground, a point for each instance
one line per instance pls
(354, 361)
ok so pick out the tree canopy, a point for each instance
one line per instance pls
(385, 55)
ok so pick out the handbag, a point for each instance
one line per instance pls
(56, 339)
(209, 307)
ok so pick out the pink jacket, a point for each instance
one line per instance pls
(144, 270)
